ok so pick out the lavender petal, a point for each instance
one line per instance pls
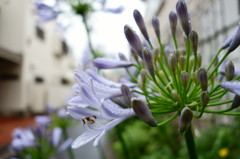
(105, 63)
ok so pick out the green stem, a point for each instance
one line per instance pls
(89, 37)
(216, 68)
(175, 42)
(124, 146)
(69, 150)
(213, 60)
(190, 144)
(168, 120)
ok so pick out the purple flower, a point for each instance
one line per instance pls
(105, 63)
(99, 117)
(22, 138)
(116, 10)
(43, 120)
(235, 40)
(45, 12)
(232, 86)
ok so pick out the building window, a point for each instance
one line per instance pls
(40, 33)
(39, 79)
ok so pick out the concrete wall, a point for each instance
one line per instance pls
(44, 65)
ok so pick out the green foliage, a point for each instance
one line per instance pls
(144, 142)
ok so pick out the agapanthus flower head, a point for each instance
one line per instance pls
(100, 113)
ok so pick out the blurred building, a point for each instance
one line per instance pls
(36, 68)
(214, 20)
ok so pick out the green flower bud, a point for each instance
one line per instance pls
(191, 61)
(143, 112)
(147, 57)
(230, 71)
(143, 75)
(185, 120)
(195, 77)
(175, 95)
(155, 54)
(203, 79)
(173, 62)
(183, 52)
(182, 62)
(127, 95)
(177, 54)
(204, 98)
(161, 73)
(184, 79)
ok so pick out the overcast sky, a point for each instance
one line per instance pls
(107, 29)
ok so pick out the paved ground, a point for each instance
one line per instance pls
(8, 124)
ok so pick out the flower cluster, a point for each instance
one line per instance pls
(175, 83)
(40, 141)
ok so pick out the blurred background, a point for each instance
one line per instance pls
(40, 46)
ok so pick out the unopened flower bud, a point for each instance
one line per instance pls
(183, 52)
(183, 16)
(133, 40)
(230, 71)
(147, 57)
(134, 55)
(143, 112)
(143, 75)
(161, 73)
(126, 94)
(140, 23)
(173, 62)
(195, 77)
(191, 62)
(177, 54)
(184, 79)
(185, 120)
(173, 22)
(235, 41)
(176, 95)
(182, 61)
(204, 98)
(203, 79)
(155, 54)
(194, 41)
(142, 63)
(199, 60)
(156, 26)
(122, 56)
(236, 102)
